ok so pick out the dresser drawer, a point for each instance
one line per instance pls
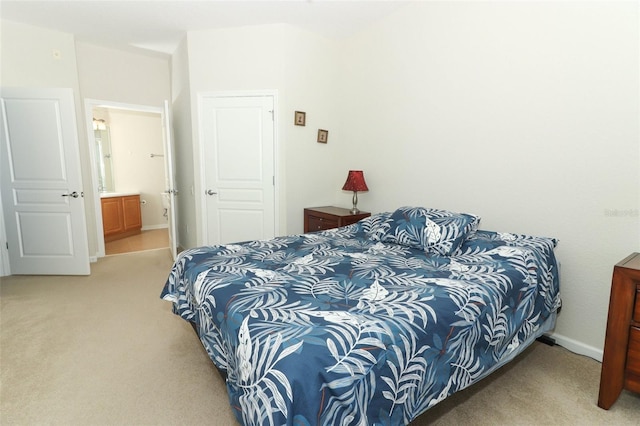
(320, 223)
(633, 351)
(636, 311)
(632, 370)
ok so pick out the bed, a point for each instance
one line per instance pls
(373, 323)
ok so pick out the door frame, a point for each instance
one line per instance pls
(5, 267)
(198, 151)
(89, 104)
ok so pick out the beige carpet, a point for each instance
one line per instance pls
(105, 350)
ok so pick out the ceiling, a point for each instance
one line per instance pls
(159, 25)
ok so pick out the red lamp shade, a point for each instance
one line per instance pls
(355, 181)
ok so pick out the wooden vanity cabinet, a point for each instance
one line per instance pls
(121, 217)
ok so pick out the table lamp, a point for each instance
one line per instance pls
(355, 182)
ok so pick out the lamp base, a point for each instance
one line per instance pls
(355, 210)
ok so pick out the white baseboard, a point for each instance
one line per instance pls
(150, 227)
(578, 347)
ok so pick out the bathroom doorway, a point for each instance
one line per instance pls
(127, 144)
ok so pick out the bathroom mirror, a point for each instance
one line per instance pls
(104, 160)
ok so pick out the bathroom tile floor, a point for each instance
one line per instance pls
(147, 240)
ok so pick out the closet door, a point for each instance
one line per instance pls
(238, 168)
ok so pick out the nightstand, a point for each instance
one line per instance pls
(321, 218)
(621, 359)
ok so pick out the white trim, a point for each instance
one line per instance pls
(89, 104)
(276, 165)
(238, 93)
(119, 105)
(152, 227)
(199, 151)
(200, 182)
(578, 347)
(97, 208)
(5, 267)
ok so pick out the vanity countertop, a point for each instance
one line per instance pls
(117, 194)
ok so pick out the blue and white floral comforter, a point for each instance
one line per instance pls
(342, 327)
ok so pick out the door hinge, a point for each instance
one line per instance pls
(272, 119)
(274, 180)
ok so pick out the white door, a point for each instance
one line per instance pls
(42, 193)
(238, 168)
(170, 172)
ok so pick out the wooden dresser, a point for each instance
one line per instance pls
(621, 359)
(321, 218)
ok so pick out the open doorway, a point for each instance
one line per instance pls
(127, 145)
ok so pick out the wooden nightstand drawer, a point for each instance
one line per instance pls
(328, 217)
(320, 224)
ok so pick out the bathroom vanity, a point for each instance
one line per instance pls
(121, 215)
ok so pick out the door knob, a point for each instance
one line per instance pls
(74, 194)
(211, 192)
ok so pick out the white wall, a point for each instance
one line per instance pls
(28, 60)
(314, 171)
(115, 75)
(525, 113)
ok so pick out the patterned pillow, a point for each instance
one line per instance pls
(374, 225)
(439, 231)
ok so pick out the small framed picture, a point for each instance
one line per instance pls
(300, 118)
(323, 136)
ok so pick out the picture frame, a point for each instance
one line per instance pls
(323, 136)
(300, 118)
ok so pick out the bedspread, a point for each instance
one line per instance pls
(336, 328)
